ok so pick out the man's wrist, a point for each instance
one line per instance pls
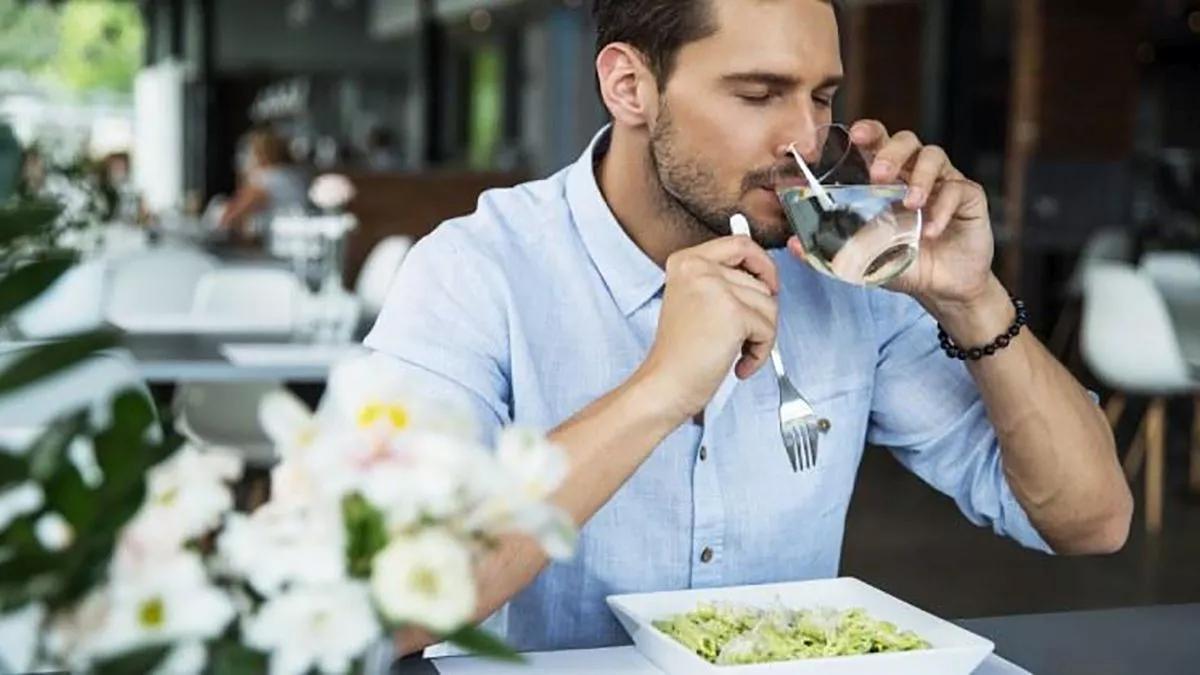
(976, 321)
(654, 398)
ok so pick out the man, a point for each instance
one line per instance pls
(607, 303)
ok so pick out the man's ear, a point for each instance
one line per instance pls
(628, 88)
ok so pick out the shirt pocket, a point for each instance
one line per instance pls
(844, 402)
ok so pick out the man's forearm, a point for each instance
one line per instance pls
(605, 443)
(1059, 455)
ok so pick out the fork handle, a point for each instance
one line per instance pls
(777, 362)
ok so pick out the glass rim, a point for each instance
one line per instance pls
(838, 164)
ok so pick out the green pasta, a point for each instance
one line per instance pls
(728, 634)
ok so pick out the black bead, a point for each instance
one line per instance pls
(990, 350)
(975, 354)
(1014, 331)
(1002, 341)
(960, 354)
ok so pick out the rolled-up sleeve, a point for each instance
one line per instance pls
(928, 410)
(444, 323)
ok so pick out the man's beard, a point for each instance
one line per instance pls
(690, 193)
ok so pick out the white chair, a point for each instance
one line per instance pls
(259, 298)
(1128, 340)
(1107, 245)
(379, 270)
(74, 304)
(158, 282)
(1176, 274)
(226, 413)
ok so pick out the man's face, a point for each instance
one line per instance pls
(734, 103)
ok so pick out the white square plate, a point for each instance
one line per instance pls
(954, 651)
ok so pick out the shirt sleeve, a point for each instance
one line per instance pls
(928, 410)
(444, 323)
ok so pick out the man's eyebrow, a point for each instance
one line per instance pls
(776, 79)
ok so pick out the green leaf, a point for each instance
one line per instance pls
(24, 284)
(366, 534)
(24, 220)
(36, 363)
(230, 658)
(13, 469)
(483, 643)
(141, 661)
(48, 454)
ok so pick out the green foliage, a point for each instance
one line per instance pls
(366, 534)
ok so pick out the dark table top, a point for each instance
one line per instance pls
(1157, 640)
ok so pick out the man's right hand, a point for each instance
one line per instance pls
(719, 305)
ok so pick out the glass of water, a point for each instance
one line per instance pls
(849, 228)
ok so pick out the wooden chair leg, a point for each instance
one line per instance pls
(1115, 408)
(1136, 455)
(1194, 466)
(1155, 450)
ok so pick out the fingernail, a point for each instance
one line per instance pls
(881, 168)
(915, 198)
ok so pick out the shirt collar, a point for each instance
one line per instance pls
(631, 276)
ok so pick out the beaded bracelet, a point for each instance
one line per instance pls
(975, 354)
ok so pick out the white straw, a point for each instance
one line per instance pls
(823, 197)
(739, 225)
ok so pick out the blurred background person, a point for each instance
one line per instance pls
(270, 184)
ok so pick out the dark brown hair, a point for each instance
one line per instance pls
(656, 28)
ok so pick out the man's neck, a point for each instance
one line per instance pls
(628, 181)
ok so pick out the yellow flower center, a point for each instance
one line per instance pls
(424, 581)
(393, 414)
(168, 497)
(152, 614)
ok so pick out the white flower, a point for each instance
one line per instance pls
(422, 475)
(323, 627)
(287, 422)
(527, 470)
(53, 532)
(186, 496)
(425, 579)
(331, 191)
(286, 542)
(20, 501)
(170, 602)
(538, 466)
(369, 393)
(188, 658)
(19, 632)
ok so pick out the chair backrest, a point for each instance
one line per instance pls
(75, 303)
(1106, 245)
(379, 270)
(90, 384)
(1176, 274)
(1127, 337)
(261, 296)
(162, 281)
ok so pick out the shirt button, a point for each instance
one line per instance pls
(706, 555)
(703, 453)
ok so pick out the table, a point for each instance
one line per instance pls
(1157, 640)
(166, 358)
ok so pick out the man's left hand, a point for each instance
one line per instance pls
(952, 275)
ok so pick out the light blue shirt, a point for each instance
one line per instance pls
(538, 303)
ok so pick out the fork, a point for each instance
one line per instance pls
(799, 424)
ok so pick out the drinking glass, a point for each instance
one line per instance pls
(849, 228)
